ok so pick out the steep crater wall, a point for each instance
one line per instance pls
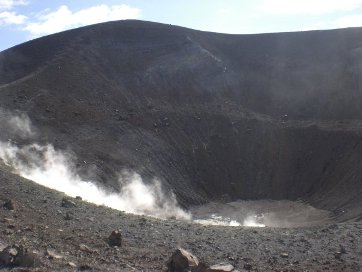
(215, 117)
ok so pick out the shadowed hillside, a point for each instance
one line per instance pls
(214, 116)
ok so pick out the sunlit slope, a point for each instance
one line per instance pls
(214, 116)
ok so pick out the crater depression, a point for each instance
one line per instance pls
(264, 128)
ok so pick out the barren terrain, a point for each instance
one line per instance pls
(215, 118)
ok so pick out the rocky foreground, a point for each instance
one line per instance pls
(43, 230)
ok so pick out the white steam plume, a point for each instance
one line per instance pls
(54, 169)
(219, 220)
(253, 221)
(15, 124)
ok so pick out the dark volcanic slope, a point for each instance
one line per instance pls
(201, 111)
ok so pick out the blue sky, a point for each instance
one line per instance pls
(23, 20)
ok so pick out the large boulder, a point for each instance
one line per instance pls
(18, 256)
(182, 261)
(115, 239)
(26, 258)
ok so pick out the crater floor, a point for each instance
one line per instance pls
(261, 213)
(39, 223)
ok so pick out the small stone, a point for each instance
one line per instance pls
(248, 266)
(71, 264)
(115, 239)
(273, 260)
(338, 255)
(182, 260)
(52, 255)
(284, 255)
(27, 228)
(68, 216)
(85, 267)
(13, 252)
(8, 232)
(222, 267)
(342, 249)
(67, 203)
(9, 205)
(85, 248)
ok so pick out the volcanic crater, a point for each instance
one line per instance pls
(263, 127)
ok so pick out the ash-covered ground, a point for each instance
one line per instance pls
(78, 236)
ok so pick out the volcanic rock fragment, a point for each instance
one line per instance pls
(86, 248)
(9, 204)
(67, 203)
(338, 255)
(53, 255)
(342, 249)
(85, 267)
(68, 216)
(18, 256)
(71, 264)
(248, 266)
(222, 267)
(182, 260)
(115, 239)
(7, 256)
(25, 258)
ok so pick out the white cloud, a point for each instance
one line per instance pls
(11, 18)
(349, 21)
(307, 7)
(354, 20)
(63, 18)
(8, 16)
(9, 4)
(223, 11)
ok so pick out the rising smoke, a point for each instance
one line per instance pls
(55, 169)
(15, 124)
